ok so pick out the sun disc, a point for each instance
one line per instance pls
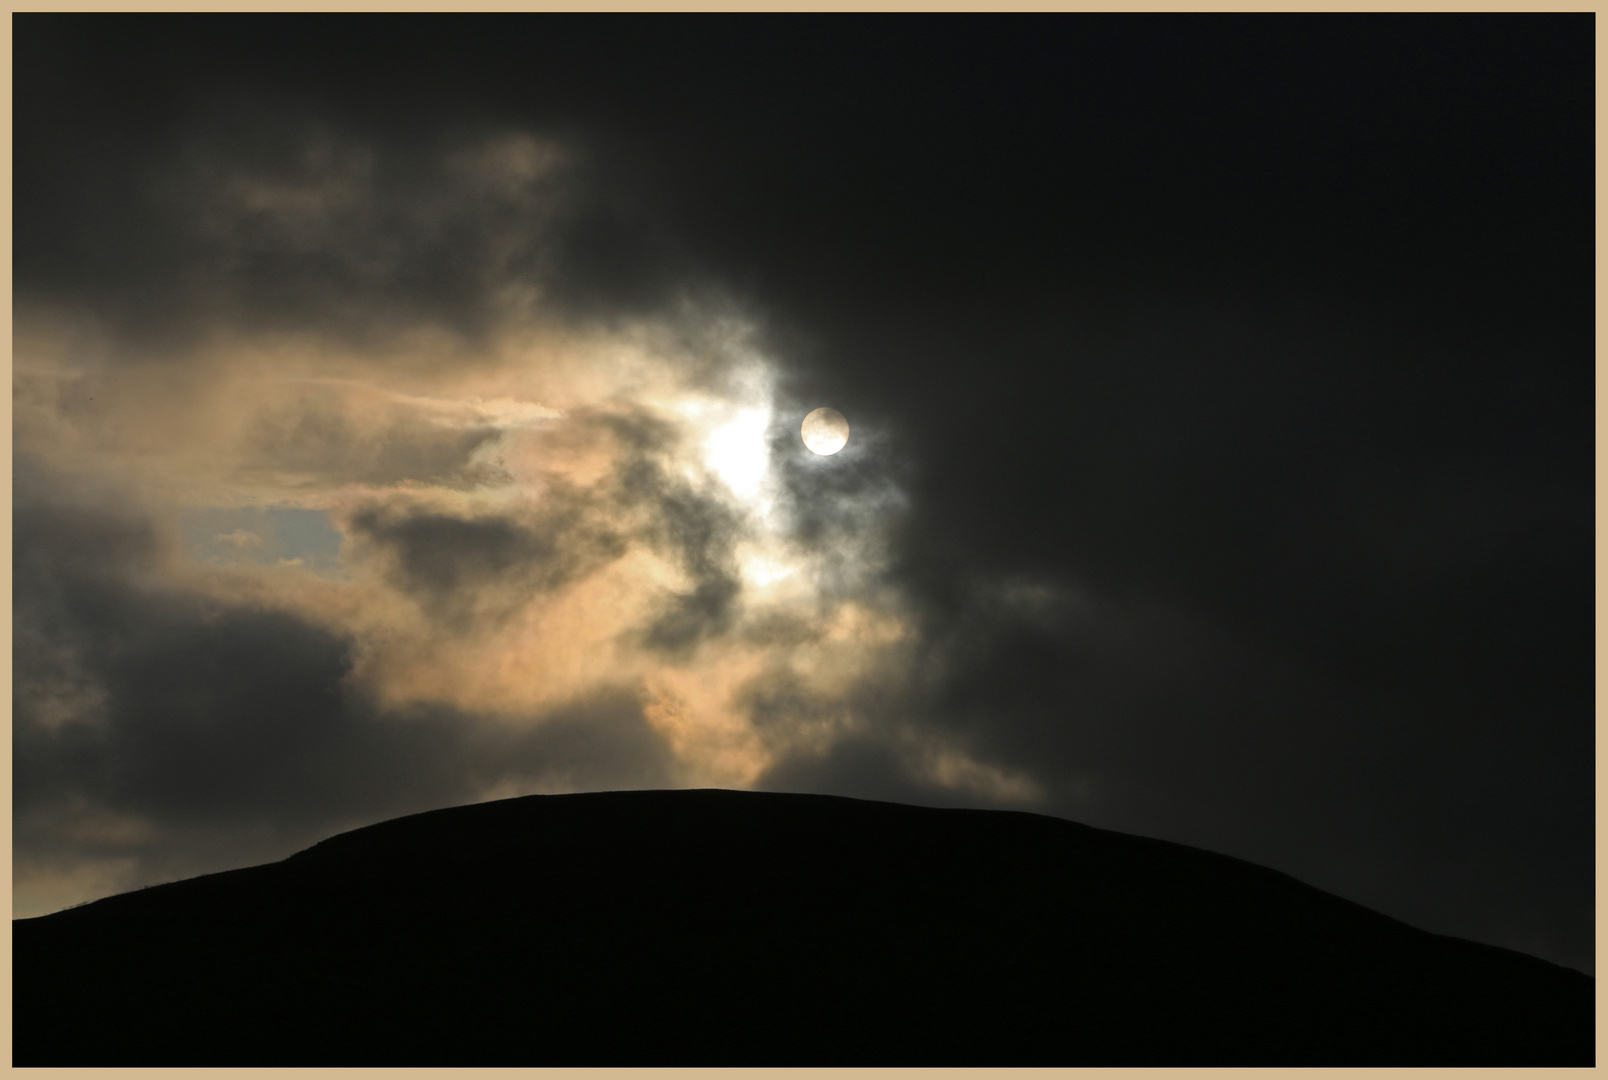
(825, 431)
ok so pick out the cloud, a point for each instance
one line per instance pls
(147, 713)
(458, 567)
(424, 557)
(1169, 505)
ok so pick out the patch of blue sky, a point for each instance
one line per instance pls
(275, 535)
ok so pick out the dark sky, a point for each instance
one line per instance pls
(1221, 390)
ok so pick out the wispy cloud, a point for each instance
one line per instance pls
(604, 544)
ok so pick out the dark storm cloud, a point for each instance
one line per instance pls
(867, 768)
(1236, 373)
(598, 743)
(1363, 661)
(454, 565)
(216, 716)
(262, 212)
(783, 699)
(699, 531)
(694, 528)
(462, 566)
(1330, 492)
(832, 499)
(704, 611)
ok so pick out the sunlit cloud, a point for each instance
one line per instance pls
(481, 537)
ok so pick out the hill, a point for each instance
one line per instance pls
(740, 928)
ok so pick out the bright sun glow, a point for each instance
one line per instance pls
(737, 452)
(763, 568)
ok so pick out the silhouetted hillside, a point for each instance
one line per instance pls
(738, 928)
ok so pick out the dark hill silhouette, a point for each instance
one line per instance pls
(738, 928)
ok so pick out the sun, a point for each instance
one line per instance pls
(825, 431)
